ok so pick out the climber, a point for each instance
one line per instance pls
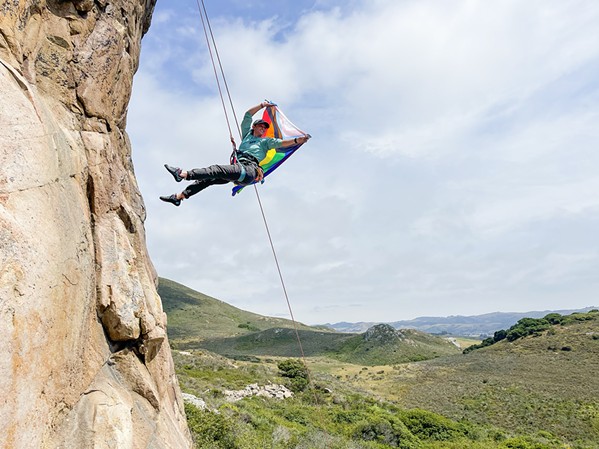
(245, 170)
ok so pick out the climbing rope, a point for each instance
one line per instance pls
(274, 253)
(208, 30)
(206, 26)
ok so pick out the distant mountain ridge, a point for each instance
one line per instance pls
(478, 326)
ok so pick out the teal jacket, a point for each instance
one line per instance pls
(252, 145)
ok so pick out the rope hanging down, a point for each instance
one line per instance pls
(206, 27)
(208, 30)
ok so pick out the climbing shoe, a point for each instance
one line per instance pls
(171, 199)
(175, 171)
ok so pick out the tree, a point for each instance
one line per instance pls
(499, 335)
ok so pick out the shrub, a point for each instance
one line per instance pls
(390, 432)
(428, 425)
(499, 335)
(210, 430)
(249, 326)
(523, 443)
(529, 326)
(298, 414)
(296, 373)
(554, 318)
(515, 334)
(347, 416)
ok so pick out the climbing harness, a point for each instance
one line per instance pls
(242, 181)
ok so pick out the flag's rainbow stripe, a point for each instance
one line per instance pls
(280, 128)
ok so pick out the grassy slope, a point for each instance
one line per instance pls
(414, 346)
(193, 316)
(546, 382)
(348, 348)
(345, 419)
(273, 342)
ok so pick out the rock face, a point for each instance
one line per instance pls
(84, 359)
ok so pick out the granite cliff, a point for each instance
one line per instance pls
(84, 357)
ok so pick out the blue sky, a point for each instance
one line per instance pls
(453, 168)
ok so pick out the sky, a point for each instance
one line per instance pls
(453, 168)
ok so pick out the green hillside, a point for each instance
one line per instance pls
(542, 382)
(333, 415)
(193, 316)
(384, 345)
(536, 389)
(349, 348)
(197, 321)
(273, 342)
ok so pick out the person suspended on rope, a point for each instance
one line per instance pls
(245, 170)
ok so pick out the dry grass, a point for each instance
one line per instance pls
(463, 342)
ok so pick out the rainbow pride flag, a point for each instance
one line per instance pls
(280, 128)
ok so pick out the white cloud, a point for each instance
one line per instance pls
(452, 169)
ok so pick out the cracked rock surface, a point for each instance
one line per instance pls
(84, 359)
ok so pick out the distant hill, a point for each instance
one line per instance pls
(478, 326)
(279, 342)
(197, 321)
(380, 345)
(195, 316)
(384, 345)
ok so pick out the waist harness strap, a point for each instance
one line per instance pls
(243, 173)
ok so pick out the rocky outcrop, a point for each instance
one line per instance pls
(84, 359)
(268, 391)
(195, 401)
(383, 334)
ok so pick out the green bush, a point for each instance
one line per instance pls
(428, 425)
(297, 414)
(390, 432)
(210, 430)
(249, 326)
(523, 443)
(344, 417)
(499, 335)
(528, 326)
(554, 318)
(296, 374)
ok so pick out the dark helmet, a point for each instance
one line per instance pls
(261, 122)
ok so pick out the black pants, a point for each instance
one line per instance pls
(220, 174)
